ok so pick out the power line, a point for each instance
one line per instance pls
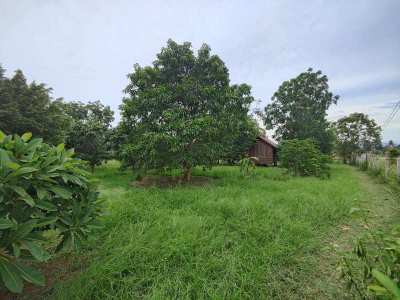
(391, 116)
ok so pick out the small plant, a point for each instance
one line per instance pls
(247, 165)
(302, 158)
(41, 187)
(393, 154)
(372, 269)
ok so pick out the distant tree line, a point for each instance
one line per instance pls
(29, 107)
(182, 111)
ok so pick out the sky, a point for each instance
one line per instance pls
(85, 49)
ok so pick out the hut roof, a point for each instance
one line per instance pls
(268, 141)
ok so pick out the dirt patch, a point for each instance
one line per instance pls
(58, 269)
(171, 181)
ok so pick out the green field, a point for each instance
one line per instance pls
(237, 238)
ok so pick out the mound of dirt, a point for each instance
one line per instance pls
(170, 181)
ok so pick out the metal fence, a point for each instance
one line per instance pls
(388, 168)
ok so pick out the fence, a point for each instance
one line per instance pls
(383, 166)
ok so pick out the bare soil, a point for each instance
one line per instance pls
(56, 270)
(171, 181)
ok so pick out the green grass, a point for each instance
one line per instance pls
(238, 238)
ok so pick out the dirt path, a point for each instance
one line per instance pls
(384, 207)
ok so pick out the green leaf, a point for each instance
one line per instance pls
(24, 195)
(60, 147)
(16, 250)
(13, 165)
(9, 274)
(24, 229)
(61, 192)
(37, 251)
(389, 284)
(46, 205)
(23, 171)
(26, 136)
(2, 136)
(31, 275)
(378, 290)
(42, 193)
(4, 157)
(67, 243)
(46, 221)
(6, 223)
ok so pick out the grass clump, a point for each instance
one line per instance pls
(239, 238)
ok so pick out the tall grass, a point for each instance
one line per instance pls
(238, 238)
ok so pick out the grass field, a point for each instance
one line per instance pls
(237, 238)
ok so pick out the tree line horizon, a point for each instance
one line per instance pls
(182, 111)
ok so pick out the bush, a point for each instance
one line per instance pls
(247, 165)
(393, 154)
(41, 187)
(302, 158)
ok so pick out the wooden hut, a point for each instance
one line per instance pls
(265, 150)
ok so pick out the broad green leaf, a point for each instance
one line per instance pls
(24, 229)
(37, 251)
(31, 275)
(378, 290)
(60, 147)
(2, 136)
(42, 193)
(11, 277)
(16, 250)
(24, 195)
(23, 171)
(46, 221)
(33, 144)
(26, 136)
(49, 160)
(4, 157)
(13, 165)
(6, 223)
(67, 243)
(61, 192)
(46, 205)
(389, 284)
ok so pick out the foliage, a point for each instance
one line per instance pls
(393, 153)
(90, 130)
(41, 187)
(241, 140)
(29, 107)
(372, 269)
(181, 111)
(298, 110)
(302, 157)
(356, 133)
(247, 165)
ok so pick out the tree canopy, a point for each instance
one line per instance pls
(90, 130)
(299, 108)
(357, 133)
(30, 108)
(182, 111)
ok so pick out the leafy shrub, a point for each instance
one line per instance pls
(372, 269)
(41, 187)
(303, 158)
(393, 154)
(247, 165)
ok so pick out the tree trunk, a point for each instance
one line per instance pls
(187, 173)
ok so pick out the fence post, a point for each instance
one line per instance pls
(398, 167)
(387, 167)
